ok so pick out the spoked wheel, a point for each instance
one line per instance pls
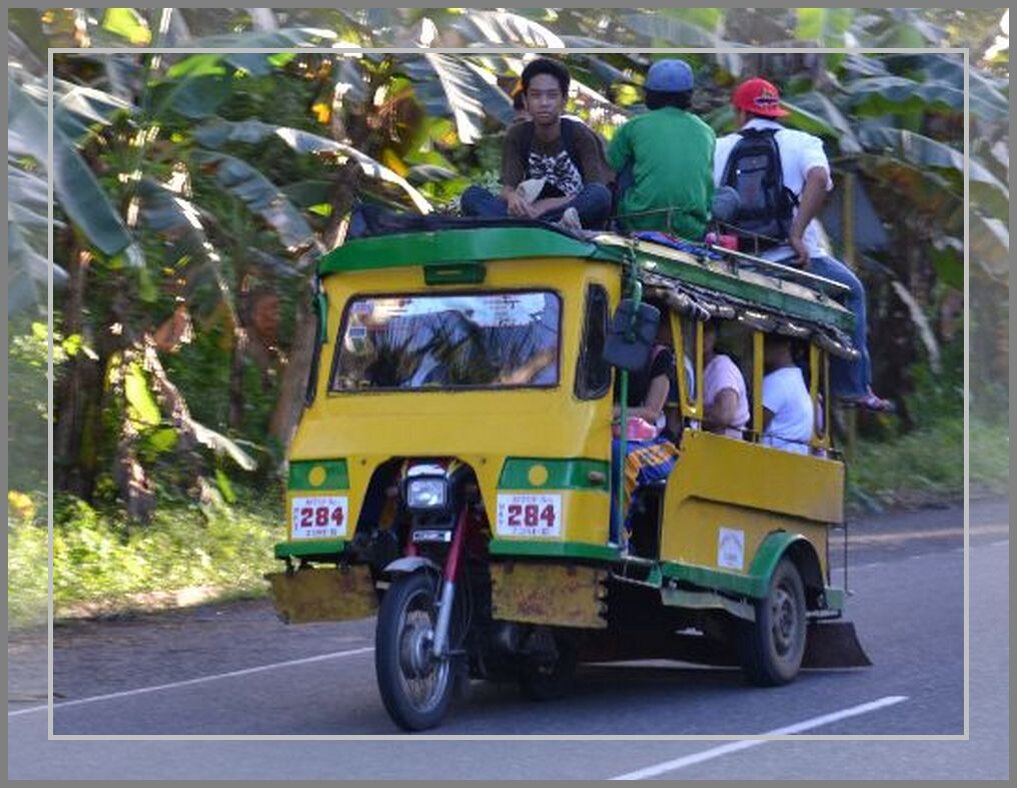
(553, 680)
(773, 646)
(415, 687)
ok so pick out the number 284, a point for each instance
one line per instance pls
(320, 516)
(530, 515)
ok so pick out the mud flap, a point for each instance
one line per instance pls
(309, 595)
(834, 644)
(549, 594)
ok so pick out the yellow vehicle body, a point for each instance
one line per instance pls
(480, 428)
(730, 510)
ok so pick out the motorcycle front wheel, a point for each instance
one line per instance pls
(415, 686)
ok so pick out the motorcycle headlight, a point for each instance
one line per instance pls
(426, 494)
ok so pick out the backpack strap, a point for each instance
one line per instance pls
(527, 145)
(568, 142)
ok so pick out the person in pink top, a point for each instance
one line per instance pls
(725, 402)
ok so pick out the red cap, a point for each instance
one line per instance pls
(758, 97)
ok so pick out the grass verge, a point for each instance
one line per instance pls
(926, 467)
(102, 565)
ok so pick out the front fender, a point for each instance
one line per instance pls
(410, 564)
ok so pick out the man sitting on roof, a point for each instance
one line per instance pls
(763, 156)
(557, 161)
(669, 153)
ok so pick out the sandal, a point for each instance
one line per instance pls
(869, 401)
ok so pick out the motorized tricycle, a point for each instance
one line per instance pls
(451, 472)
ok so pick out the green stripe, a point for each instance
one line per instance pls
(455, 246)
(306, 547)
(336, 476)
(506, 547)
(747, 585)
(561, 474)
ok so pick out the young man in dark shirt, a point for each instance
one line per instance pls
(567, 159)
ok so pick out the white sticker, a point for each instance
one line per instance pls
(529, 515)
(318, 517)
(731, 548)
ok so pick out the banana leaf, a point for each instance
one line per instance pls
(506, 28)
(261, 196)
(76, 189)
(218, 133)
(986, 189)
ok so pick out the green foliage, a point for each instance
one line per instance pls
(926, 465)
(253, 140)
(127, 23)
(98, 557)
(27, 578)
(27, 442)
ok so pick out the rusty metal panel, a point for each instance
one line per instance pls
(550, 594)
(323, 594)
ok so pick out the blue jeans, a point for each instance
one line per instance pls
(848, 378)
(592, 203)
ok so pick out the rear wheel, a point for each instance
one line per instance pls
(415, 686)
(554, 679)
(773, 646)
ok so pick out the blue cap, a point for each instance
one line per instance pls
(669, 76)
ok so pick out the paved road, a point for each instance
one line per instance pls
(219, 673)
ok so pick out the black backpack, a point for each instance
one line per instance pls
(767, 206)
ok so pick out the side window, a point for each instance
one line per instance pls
(593, 377)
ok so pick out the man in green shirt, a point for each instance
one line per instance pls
(669, 153)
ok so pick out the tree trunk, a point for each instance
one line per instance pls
(76, 392)
(136, 489)
(290, 403)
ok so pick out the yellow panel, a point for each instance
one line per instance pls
(692, 534)
(323, 594)
(586, 515)
(481, 428)
(553, 595)
(722, 482)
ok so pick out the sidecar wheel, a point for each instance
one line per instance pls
(415, 687)
(773, 646)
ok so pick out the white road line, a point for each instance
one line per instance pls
(726, 749)
(200, 680)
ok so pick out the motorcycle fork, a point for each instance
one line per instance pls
(448, 590)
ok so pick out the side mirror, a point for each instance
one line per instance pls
(630, 338)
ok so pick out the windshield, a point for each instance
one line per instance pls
(482, 340)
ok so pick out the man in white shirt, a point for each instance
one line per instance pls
(806, 174)
(788, 416)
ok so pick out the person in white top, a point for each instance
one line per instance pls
(788, 416)
(725, 402)
(806, 174)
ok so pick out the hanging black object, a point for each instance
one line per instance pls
(633, 331)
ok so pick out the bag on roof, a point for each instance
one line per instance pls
(767, 205)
